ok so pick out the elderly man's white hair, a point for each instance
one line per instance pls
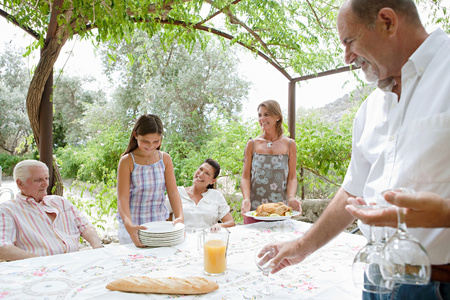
(22, 169)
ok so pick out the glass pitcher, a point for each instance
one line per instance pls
(213, 243)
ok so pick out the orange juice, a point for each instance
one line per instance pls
(215, 258)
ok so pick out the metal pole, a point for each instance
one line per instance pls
(46, 129)
(291, 109)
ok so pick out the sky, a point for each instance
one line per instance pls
(79, 58)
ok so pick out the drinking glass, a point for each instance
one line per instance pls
(366, 264)
(405, 260)
(263, 259)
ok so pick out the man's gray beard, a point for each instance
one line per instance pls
(372, 76)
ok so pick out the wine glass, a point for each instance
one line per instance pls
(263, 259)
(366, 264)
(405, 260)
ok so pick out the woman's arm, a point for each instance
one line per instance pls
(123, 198)
(291, 188)
(228, 221)
(172, 191)
(246, 177)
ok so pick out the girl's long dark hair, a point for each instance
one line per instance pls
(216, 167)
(144, 125)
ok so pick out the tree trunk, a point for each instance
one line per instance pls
(49, 55)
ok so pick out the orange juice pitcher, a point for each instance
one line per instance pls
(213, 242)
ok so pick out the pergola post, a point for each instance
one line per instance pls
(291, 109)
(46, 129)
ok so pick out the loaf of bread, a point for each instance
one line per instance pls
(163, 285)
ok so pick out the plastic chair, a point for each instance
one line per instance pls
(6, 190)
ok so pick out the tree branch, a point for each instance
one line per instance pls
(13, 20)
(317, 17)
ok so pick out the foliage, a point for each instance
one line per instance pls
(8, 162)
(186, 88)
(102, 204)
(324, 149)
(98, 158)
(14, 81)
(71, 99)
(227, 147)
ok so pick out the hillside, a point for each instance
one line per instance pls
(333, 112)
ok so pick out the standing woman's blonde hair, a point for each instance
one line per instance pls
(275, 110)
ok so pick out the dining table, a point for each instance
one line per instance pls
(325, 274)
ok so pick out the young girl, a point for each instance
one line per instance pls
(143, 176)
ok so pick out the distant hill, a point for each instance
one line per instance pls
(333, 112)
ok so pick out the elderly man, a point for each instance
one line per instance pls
(401, 131)
(34, 224)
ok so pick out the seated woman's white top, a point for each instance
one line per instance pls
(209, 210)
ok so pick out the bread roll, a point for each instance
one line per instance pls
(163, 285)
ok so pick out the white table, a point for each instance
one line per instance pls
(83, 275)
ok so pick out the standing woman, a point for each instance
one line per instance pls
(270, 161)
(143, 175)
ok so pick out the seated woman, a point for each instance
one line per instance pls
(203, 206)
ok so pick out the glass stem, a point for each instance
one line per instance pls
(384, 235)
(267, 284)
(401, 219)
(371, 235)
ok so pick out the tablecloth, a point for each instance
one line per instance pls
(326, 274)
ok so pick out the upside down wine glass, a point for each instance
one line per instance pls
(366, 264)
(405, 260)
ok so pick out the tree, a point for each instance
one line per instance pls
(188, 89)
(71, 100)
(293, 35)
(14, 81)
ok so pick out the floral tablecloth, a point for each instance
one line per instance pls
(83, 275)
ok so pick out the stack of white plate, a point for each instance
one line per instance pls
(162, 234)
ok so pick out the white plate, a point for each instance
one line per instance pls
(280, 218)
(164, 236)
(162, 227)
(152, 243)
(161, 237)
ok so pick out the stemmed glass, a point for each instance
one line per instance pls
(263, 259)
(405, 260)
(366, 264)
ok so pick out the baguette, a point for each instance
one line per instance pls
(163, 285)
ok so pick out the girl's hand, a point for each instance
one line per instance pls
(178, 220)
(216, 227)
(133, 232)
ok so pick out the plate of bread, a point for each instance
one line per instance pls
(272, 212)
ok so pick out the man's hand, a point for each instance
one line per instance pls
(423, 209)
(10, 253)
(287, 254)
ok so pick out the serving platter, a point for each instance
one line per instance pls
(276, 218)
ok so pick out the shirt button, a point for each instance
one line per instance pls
(391, 138)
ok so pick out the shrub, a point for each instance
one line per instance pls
(8, 162)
